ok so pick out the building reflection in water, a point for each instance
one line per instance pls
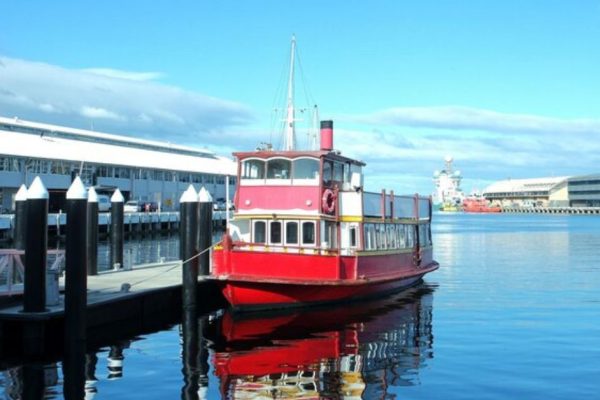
(351, 351)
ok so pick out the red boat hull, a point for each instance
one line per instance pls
(256, 280)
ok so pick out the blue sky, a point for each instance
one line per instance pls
(510, 89)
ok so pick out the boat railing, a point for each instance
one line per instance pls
(388, 205)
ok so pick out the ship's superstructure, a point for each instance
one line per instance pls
(448, 194)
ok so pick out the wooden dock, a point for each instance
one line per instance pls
(136, 299)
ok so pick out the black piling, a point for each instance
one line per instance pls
(190, 336)
(36, 247)
(205, 211)
(115, 361)
(91, 359)
(20, 223)
(188, 234)
(92, 233)
(33, 381)
(76, 257)
(74, 370)
(116, 230)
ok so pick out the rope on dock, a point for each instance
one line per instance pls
(180, 264)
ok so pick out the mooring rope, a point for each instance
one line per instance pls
(179, 264)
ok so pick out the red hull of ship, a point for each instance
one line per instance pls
(479, 206)
(248, 279)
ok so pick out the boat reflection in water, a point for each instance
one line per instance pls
(350, 352)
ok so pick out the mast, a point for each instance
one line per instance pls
(290, 133)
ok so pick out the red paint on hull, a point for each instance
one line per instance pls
(263, 280)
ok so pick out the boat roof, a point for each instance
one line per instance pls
(266, 154)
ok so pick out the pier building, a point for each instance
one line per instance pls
(522, 192)
(571, 191)
(576, 191)
(145, 170)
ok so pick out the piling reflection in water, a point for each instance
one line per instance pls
(352, 351)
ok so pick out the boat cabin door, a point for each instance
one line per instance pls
(350, 237)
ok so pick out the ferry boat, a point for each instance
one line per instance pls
(305, 231)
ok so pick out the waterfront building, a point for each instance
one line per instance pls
(576, 191)
(143, 170)
(522, 192)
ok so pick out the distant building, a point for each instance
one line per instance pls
(573, 191)
(522, 192)
(577, 191)
(142, 169)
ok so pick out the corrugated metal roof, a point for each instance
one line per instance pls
(523, 185)
(20, 144)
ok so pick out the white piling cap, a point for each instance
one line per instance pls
(21, 194)
(92, 195)
(37, 190)
(117, 197)
(189, 196)
(76, 190)
(204, 196)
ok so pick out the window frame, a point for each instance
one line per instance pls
(254, 222)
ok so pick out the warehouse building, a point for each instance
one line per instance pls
(142, 169)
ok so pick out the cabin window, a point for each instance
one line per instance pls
(410, 235)
(353, 239)
(391, 236)
(329, 235)
(259, 232)
(401, 236)
(291, 232)
(253, 169)
(370, 237)
(308, 233)
(327, 172)
(306, 168)
(379, 236)
(338, 172)
(279, 168)
(275, 232)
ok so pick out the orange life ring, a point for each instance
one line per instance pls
(328, 201)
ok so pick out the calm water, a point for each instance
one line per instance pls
(513, 312)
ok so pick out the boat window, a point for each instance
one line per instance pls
(381, 236)
(306, 168)
(291, 232)
(352, 236)
(308, 233)
(259, 232)
(279, 168)
(275, 232)
(329, 237)
(391, 236)
(253, 169)
(401, 236)
(327, 172)
(338, 172)
(410, 235)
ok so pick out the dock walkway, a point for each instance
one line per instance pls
(134, 298)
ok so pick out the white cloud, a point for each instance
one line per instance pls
(466, 118)
(115, 101)
(101, 113)
(129, 75)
